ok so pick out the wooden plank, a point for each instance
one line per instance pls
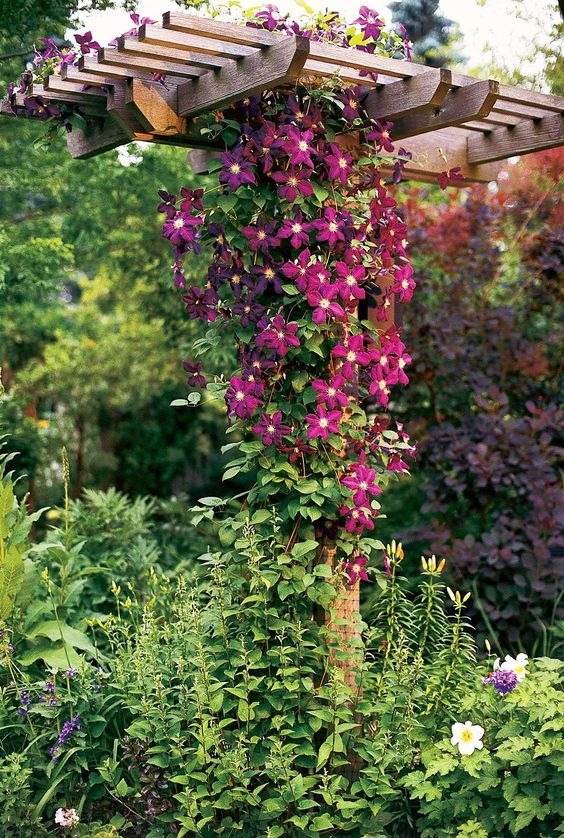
(445, 149)
(136, 62)
(56, 84)
(409, 96)
(192, 43)
(231, 32)
(170, 55)
(72, 75)
(118, 74)
(83, 145)
(466, 103)
(120, 109)
(276, 65)
(155, 108)
(345, 74)
(524, 138)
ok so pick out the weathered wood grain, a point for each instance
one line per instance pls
(526, 137)
(409, 96)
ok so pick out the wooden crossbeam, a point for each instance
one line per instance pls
(82, 145)
(443, 150)
(55, 84)
(170, 55)
(72, 75)
(154, 108)
(527, 136)
(87, 64)
(466, 103)
(276, 65)
(245, 35)
(193, 43)
(427, 91)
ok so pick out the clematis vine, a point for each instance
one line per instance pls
(300, 229)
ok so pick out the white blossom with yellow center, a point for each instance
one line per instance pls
(467, 737)
(516, 665)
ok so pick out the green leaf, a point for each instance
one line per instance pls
(302, 548)
(71, 636)
(322, 822)
(324, 753)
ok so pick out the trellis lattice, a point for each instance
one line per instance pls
(444, 119)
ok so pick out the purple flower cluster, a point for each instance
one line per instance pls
(67, 731)
(504, 681)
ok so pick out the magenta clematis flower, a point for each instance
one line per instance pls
(201, 303)
(330, 227)
(182, 228)
(351, 101)
(292, 183)
(297, 450)
(370, 22)
(380, 135)
(296, 229)
(323, 302)
(338, 164)
(241, 398)
(271, 429)
(297, 146)
(357, 519)
(396, 464)
(86, 43)
(445, 179)
(350, 281)
(330, 393)
(194, 373)
(236, 170)
(323, 422)
(404, 284)
(261, 236)
(353, 354)
(269, 18)
(378, 386)
(279, 336)
(355, 569)
(361, 480)
(298, 270)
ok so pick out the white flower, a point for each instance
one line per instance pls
(67, 818)
(468, 737)
(517, 665)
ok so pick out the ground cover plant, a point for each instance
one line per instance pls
(243, 693)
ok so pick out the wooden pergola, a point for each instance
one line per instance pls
(444, 119)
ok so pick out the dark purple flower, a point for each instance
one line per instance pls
(268, 18)
(241, 398)
(330, 393)
(323, 422)
(504, 681)
(261, 236)
(297, 146)
(330, 228)
(279, 336)
(445, 179)
(67, 731)
(37, 106)
(323, 300)
(248, 310)
(296, 229)
(271, 429)
(167, 204)
(361, 480)
(293, 182)
(86, 43)
(25, 704)
(338, 164)
(351, 100)
(370, 22)
(193, 370)
(380, 135)
(182, 228)
(236, 170)
(355, 570)
(201, 303)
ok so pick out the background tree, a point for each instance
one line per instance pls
(433, 36)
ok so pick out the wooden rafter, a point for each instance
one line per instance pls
(446, 119)
(280, 64)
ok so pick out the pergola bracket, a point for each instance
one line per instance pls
(523, 138)
(473, 101)
(418, 93)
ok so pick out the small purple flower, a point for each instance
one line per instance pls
(504, 681)
(67, 731)
(297, 146)
(71, 673)
(25, 704)
(370, 22)
(36, 106)
(292, 183)
(268, 18)
(279, 336)
(241, 397)
(194, 376)
(296, 229)
(182, 228)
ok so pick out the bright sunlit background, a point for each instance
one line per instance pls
(494, 31)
